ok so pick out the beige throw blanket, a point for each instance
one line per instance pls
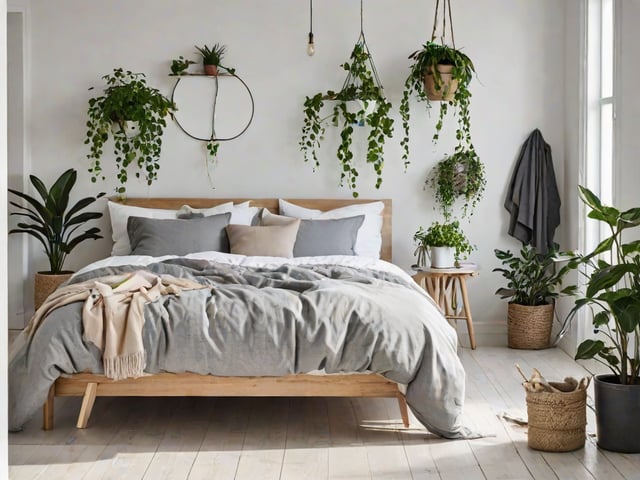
(113, 315)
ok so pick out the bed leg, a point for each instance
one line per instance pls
(87, 404)
(47, 409)
(404, 411)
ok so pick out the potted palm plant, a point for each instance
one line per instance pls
(533, 281)
(133, 114)
(444, 243)
(50, 221)
(360, 102)
(612, 272)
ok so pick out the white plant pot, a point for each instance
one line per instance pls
(131, 129)
(369, 106)
(443, 257)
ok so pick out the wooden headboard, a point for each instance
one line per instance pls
(272, 205)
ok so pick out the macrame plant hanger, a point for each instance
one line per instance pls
(446, 11)
(362, 41)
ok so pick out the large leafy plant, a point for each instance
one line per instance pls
(533, 278)
(458, 176)
(427, 59)
(127, 98)
(373, 112)
(444, 235)
(52, 222)
(612, 271)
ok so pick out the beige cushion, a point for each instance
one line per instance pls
(271, 241)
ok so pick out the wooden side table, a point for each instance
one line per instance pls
(446, 286)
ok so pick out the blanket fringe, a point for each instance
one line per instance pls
(124, 366)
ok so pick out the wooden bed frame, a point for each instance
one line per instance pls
(89, 386)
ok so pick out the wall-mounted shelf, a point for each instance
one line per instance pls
(213, 137)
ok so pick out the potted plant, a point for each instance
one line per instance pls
(53, 224)
(179, 65)
(533, 282)
(446, 242)
(461, 175)
(211, 58)
(361, 101)
(612, 272)
(441, 73)
(127, 98)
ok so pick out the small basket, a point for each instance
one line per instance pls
(557, 420)
(529, 327)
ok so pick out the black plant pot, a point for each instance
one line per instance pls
(617, 414)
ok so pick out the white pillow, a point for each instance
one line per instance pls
(369, 239)
(241, 213)
(120, 213)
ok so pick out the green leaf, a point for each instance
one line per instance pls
(589, 349)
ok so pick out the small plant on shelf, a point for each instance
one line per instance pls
(362, 89)
(180, 65)
(212, 58)
(133, 114)
(458, 176)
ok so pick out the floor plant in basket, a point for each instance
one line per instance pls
(55, 225)
(533, 284)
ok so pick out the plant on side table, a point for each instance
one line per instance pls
(53, 224)
(533, 282)
(446, 242)
(362, 90)
(134, 115)
(612, 272)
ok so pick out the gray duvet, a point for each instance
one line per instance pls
(267, 322)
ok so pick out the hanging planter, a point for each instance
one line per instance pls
(439, 83)
(439, 73)
(127, 100)
(360, 101)
(458, 176)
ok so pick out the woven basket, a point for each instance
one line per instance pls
(557, 421)
(529, 327)
(45, 285)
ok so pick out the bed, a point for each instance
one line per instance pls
(434, 379)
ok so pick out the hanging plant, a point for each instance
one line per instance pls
(372, 110)
(134, 115)
(458, 176)
(443, 73)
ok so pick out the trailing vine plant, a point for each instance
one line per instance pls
(458, 176)
(452, 88)
(362, 85)
(127, 98)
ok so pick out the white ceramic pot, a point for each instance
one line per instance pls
(443, 257)
(369, 106)
(129, 127)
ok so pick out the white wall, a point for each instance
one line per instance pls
(517, 47)
(627, 171)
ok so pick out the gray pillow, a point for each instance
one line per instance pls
(321, 237)
(157, 237)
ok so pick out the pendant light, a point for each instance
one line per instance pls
(311, 47)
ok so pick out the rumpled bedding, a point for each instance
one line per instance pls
(266, 317)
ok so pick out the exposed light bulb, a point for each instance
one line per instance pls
(311, 47)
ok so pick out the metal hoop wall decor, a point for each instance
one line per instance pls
(213, 137)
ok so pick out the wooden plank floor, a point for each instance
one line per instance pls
(310, 438)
